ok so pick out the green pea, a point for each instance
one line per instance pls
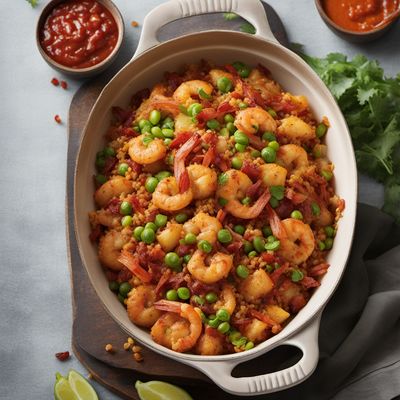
(224, 236)
(125, 208)
(211, 297)
(160, 220)
(243, 105)
(147, 139)
(252, 254)
(143, 123)
(273, 202)
(109, 152)
(190, 238)
(272, 113)
(321, 245)
(214, 323)
(224, 132)
(269, 268)
(101, 179)
(168, 123)
(126, 221)
(296, 275)
(114, 286)
(315, 209)
(137, 233)
(271, 239)
(274, 145)
(241, 137)
(255, 153)
(124, 288)
(224, 84)
(205, 246)
(267, 231)
(157, 132)
(296, 214)
(327, 175)
(277, 191)
(172, 295)
(198, 300)
(231, 127)
(100, 162)
(183, 293)
(213, 124)
(223, 327)
(222, 202)
(168, 133)
(321, 130)
(155, 117)
(122, 169)
(242, 69)
(240, 147)
(186, 258)
(234, 335)
(330, 231)
(249, 345)
(273, 246)
(151, 225)
(268, 154)
(242, 271)
(269, 136)
(181, 218)
(146, 129)
(247, 247)
(328, 243)
(229, 118)
(194, 109)
(259, 243)
(246, 201)
(236, 163)
(241, 342)
(172, 260)
(162, 175)
(148, 236)
(121, 299)
(240, 229)
(151, 184)
(167, 141)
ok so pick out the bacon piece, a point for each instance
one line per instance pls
(180, 139)
(234, 247)
(277, 274)
(199, 288)
(225, 108)
(113, 206)
(295, 197)
(163, 281)
(264, 70)
(95, 233)
(297, 303)
(221, 214)
(284, 208)
(267, 257)
(177, 280)
(318, 270)
(309, 282)
(136, 167)
(276, 225)
(210, 113)
(253, 189)
(111, 275)
(135, 203)
(156, 254)
(221, 163)
(255, 141)
(232, 70)
(120, 114)
(254, 96)
(139, 96)
(181, 174)
(173, 79)
(183, 249)
(132, 263)
(109, 165)
(124, 275)
(251, 170)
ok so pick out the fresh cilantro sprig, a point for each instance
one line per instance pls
(248, 28)
(370, 102)
(33, 3)
(230, 16)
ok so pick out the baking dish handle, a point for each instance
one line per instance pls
(306, 340)
(252, 10)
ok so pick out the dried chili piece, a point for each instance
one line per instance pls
(63, 356)
(55, 81)
(64, 85)
(57, 118)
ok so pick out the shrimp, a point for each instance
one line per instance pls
(112, 188)
(216, 74)
(273, 174)
(261, 83)
(210, 343)
(146, 153)
(299, 243)
(256, 285)
(140, 306)
(234, 189)
(254, 119)
(227, 299)
(178, 329)
(105, 218)
(203, 181)
(187, 90)
(169, 237)
(110, 247)
(167, 196)
(293, 157)
(219, 266)
(204, 227)
(295, 128)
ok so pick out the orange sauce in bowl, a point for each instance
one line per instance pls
(360, 15)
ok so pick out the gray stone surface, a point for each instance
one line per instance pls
(35, 304)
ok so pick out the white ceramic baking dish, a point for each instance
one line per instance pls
(146, 68)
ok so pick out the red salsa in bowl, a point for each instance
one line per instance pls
(79, 34)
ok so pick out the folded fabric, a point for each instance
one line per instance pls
(359, 337)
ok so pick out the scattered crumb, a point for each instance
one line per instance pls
(134, 24)
(130, 340)
(136, 349)
(109, 348)
(90, 376)
(138, 357)
(127, 346)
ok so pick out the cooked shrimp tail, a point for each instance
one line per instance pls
(132, 263)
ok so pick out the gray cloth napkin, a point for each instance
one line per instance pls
(359, 337)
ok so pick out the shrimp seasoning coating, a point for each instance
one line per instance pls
(216, 207)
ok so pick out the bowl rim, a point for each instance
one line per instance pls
(328, 20)
(116, 14)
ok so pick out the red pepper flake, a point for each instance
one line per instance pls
(57, 118)
(134, 24)
(55, 81)
(63, 356)
(64, 85)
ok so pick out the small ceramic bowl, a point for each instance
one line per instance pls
(353, 36)
(94, 69)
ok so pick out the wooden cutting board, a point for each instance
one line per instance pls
(93, 327)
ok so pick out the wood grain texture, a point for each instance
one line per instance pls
(93, 327)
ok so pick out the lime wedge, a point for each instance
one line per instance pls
(81, 387)
(62, 390)
(157, 390)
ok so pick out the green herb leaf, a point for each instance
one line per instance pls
(33, 3)
(248, 28)
(278, 192)
(222, 179)
(230, 16)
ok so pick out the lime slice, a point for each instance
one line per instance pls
(62, 389)
(157, 390)
(81, 387)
